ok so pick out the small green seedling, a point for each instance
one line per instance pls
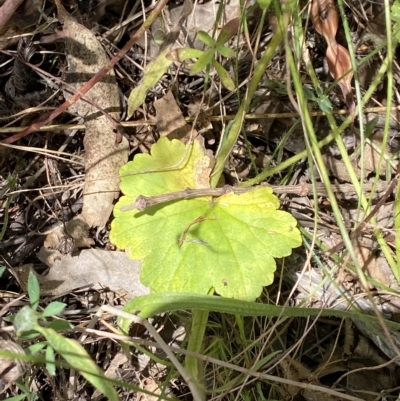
(322, 100)
(30, 323)
(207, 58)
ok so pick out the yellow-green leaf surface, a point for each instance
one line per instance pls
(195, 245)
(152, 74)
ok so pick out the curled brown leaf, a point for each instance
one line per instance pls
(326, 21)
(325, 18)
(339, 63)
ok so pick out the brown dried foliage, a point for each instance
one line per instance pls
(325, 19)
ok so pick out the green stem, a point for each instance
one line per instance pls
(232, 135)
(391, 45)
(11, 184)
(154, 304)
(310, 133)
(294, 159)
(195, 366)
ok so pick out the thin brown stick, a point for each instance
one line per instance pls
(228, 117)
(96, 78)
(144, 202)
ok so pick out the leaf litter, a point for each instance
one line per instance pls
(193, 232)
(105, 152)
(170, 121)
(96, 269)
(325, 19)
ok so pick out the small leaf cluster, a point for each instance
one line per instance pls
(322, 100)
(207, 57)
(30, 323)
(28, 318)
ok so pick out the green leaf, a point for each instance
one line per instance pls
(35, 348)
(18, 397)
(60, 325)
(264, 4)
(183, 54)
(80, 360)
(159, 37)
(202, 62)
(224, 76)
(226, 51)
(2, 270)
(325, 104)
(33, 290)
(395, 12)
(50, 361)
(206, 38)
(261, 362)
(195, 245)
(395, 15)
(228, 31)
(152, 74)
(29, 335)
(54, 308)
(309, 94)
(156, 303)
(323, 101)
(25, 320)
(26, 390)
(9, 319)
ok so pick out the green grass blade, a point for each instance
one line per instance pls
(79, 359)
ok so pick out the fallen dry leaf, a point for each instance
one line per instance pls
(104, 155)
(375, 266)
(11, 369)
(340, 68)
(371, 161)
(365, 377)
(296, 371)
(112, 371)
(372, 157)
(325, 20)
(65, 239)
(337, 168)
(93, 267)
(151, 385)
(170, 120)
(77, 229)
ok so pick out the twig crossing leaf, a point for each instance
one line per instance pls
(225, 244)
